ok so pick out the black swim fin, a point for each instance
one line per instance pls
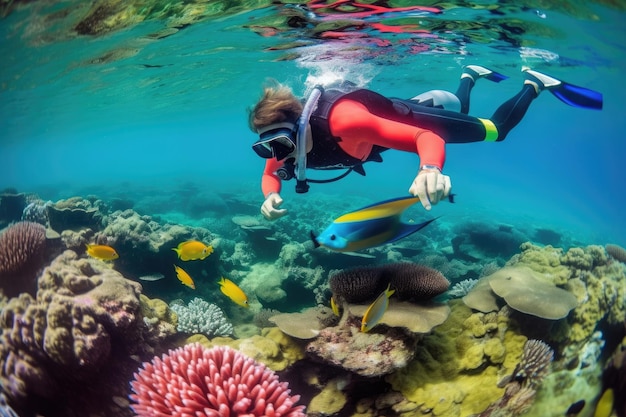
(569, 94)
(578, 96)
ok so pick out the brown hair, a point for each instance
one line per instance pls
(278, 104)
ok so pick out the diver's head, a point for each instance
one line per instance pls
(277, 105)
(275, 118)
(277, 140)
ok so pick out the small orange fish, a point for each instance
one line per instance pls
(192, 250)
(103, 252)
(232, 291)
(184, 277)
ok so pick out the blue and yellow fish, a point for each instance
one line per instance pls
(192, 250)
(369, 226)
(375, 311)
(232, 291)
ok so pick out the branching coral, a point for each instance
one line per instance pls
(521, 386)
(460, 289)
(534, 364)
(202, 317)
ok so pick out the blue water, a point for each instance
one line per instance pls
(174, 110)
(149, 114)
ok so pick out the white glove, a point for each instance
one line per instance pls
(270, 209)
(430, 185)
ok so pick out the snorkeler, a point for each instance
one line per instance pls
(342, 126)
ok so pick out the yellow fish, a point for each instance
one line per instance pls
(604, 408)
(192, 250)
(232, 291)
(184, 277)
(104, 252)
(334, 306)
(376, 310)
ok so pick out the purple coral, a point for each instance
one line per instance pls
(22, 250)
(83, 326)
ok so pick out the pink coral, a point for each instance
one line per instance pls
(218, 382)
(22, 250)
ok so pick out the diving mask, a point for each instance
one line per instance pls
(277, 140)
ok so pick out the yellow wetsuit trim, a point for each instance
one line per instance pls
(491, 131)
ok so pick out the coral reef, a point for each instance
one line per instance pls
(262, 317)
(367, 354)
(410, 281)
(200, 316)
(22, 253)
(76, 213)
(521, 386)
(524, 290)
(462, 288)
(147, 241)
(474, 240)
(617, 252)
(37, 211)
(466, 351)
(84, 325)
(304, 325)
(415, 318)
(160, 320)
(216, 382)
(273, 348)
(597, 283)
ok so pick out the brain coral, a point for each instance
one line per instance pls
(414, 281)
(22, 250)
(411, 281)
(617, 252)
(215, 382)
(85, 320)
(357, 285)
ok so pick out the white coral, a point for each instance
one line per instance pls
(460, 289)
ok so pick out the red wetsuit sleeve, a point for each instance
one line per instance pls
(270, 182)
(359, 130)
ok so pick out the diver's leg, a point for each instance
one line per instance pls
(471, 73)
(511, 112)
(463, 93)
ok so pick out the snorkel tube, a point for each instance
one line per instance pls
(303, 127)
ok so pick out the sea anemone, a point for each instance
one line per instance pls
(217, 382)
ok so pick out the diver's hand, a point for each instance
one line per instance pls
(270, 208)
(430, 185)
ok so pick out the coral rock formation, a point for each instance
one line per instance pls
(84, 326)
